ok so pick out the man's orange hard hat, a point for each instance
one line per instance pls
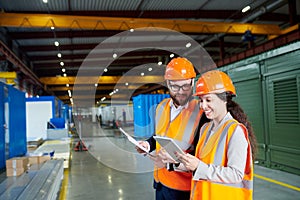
(179, 69)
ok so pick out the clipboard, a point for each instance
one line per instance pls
(133, 141)
(169, 145)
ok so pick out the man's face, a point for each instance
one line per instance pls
(180, 91)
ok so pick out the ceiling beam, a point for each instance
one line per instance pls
(168, 14)
(101, 87)
(11, 57)
(97, 63)
(147, 53)
(83, 56)
(108, 46)
(32, 48)
(102, 80)
(62, 34)
(122, 24)
(97, 96)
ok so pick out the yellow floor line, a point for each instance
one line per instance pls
(277, 182)
(65, 181)
(64, 185)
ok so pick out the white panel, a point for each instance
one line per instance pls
(94, 112)
(37, 116)
(6, 113)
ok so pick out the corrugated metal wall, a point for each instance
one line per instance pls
(12, 122)
(2, 129)
(17, 122)
(249, 96)
(268, 89)
(282, 78)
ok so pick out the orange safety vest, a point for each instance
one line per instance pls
(215, 152)
(182, 130)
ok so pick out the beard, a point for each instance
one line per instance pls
(180, 99)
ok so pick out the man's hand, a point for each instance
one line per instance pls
(165, 157)
(144, 144)
(158, 162)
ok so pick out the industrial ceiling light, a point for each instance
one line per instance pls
(247, 8)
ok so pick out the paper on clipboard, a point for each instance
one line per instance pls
(133, 141)
(169, 145)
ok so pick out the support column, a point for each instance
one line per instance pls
(292, 12)
(222, 49)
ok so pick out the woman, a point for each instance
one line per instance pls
(222, 166)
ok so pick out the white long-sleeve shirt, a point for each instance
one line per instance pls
(236, 154)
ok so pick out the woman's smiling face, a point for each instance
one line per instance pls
(213, 107)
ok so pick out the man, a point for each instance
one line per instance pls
(177, 117)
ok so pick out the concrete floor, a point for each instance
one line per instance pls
(112, 170)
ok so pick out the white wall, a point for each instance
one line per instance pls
(38, 113)
(108, 114)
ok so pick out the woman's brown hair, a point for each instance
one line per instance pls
(238, 113)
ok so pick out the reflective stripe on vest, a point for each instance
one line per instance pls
(182, 130)
(164, 108)
(221, 145)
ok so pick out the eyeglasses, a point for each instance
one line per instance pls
(176, 88)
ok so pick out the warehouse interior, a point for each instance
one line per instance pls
(72, 72)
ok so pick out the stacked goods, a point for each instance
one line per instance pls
(33, 144)
(16, 166)
(43, 159)
(35, 162)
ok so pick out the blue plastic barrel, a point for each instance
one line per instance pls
(144, 106)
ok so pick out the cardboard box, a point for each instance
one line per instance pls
(14, 171)
(17, 162)
(34, 160)
(43, 159)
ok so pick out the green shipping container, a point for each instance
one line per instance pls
(268, 89)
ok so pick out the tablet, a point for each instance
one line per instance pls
(133, 141)
(169, 145)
